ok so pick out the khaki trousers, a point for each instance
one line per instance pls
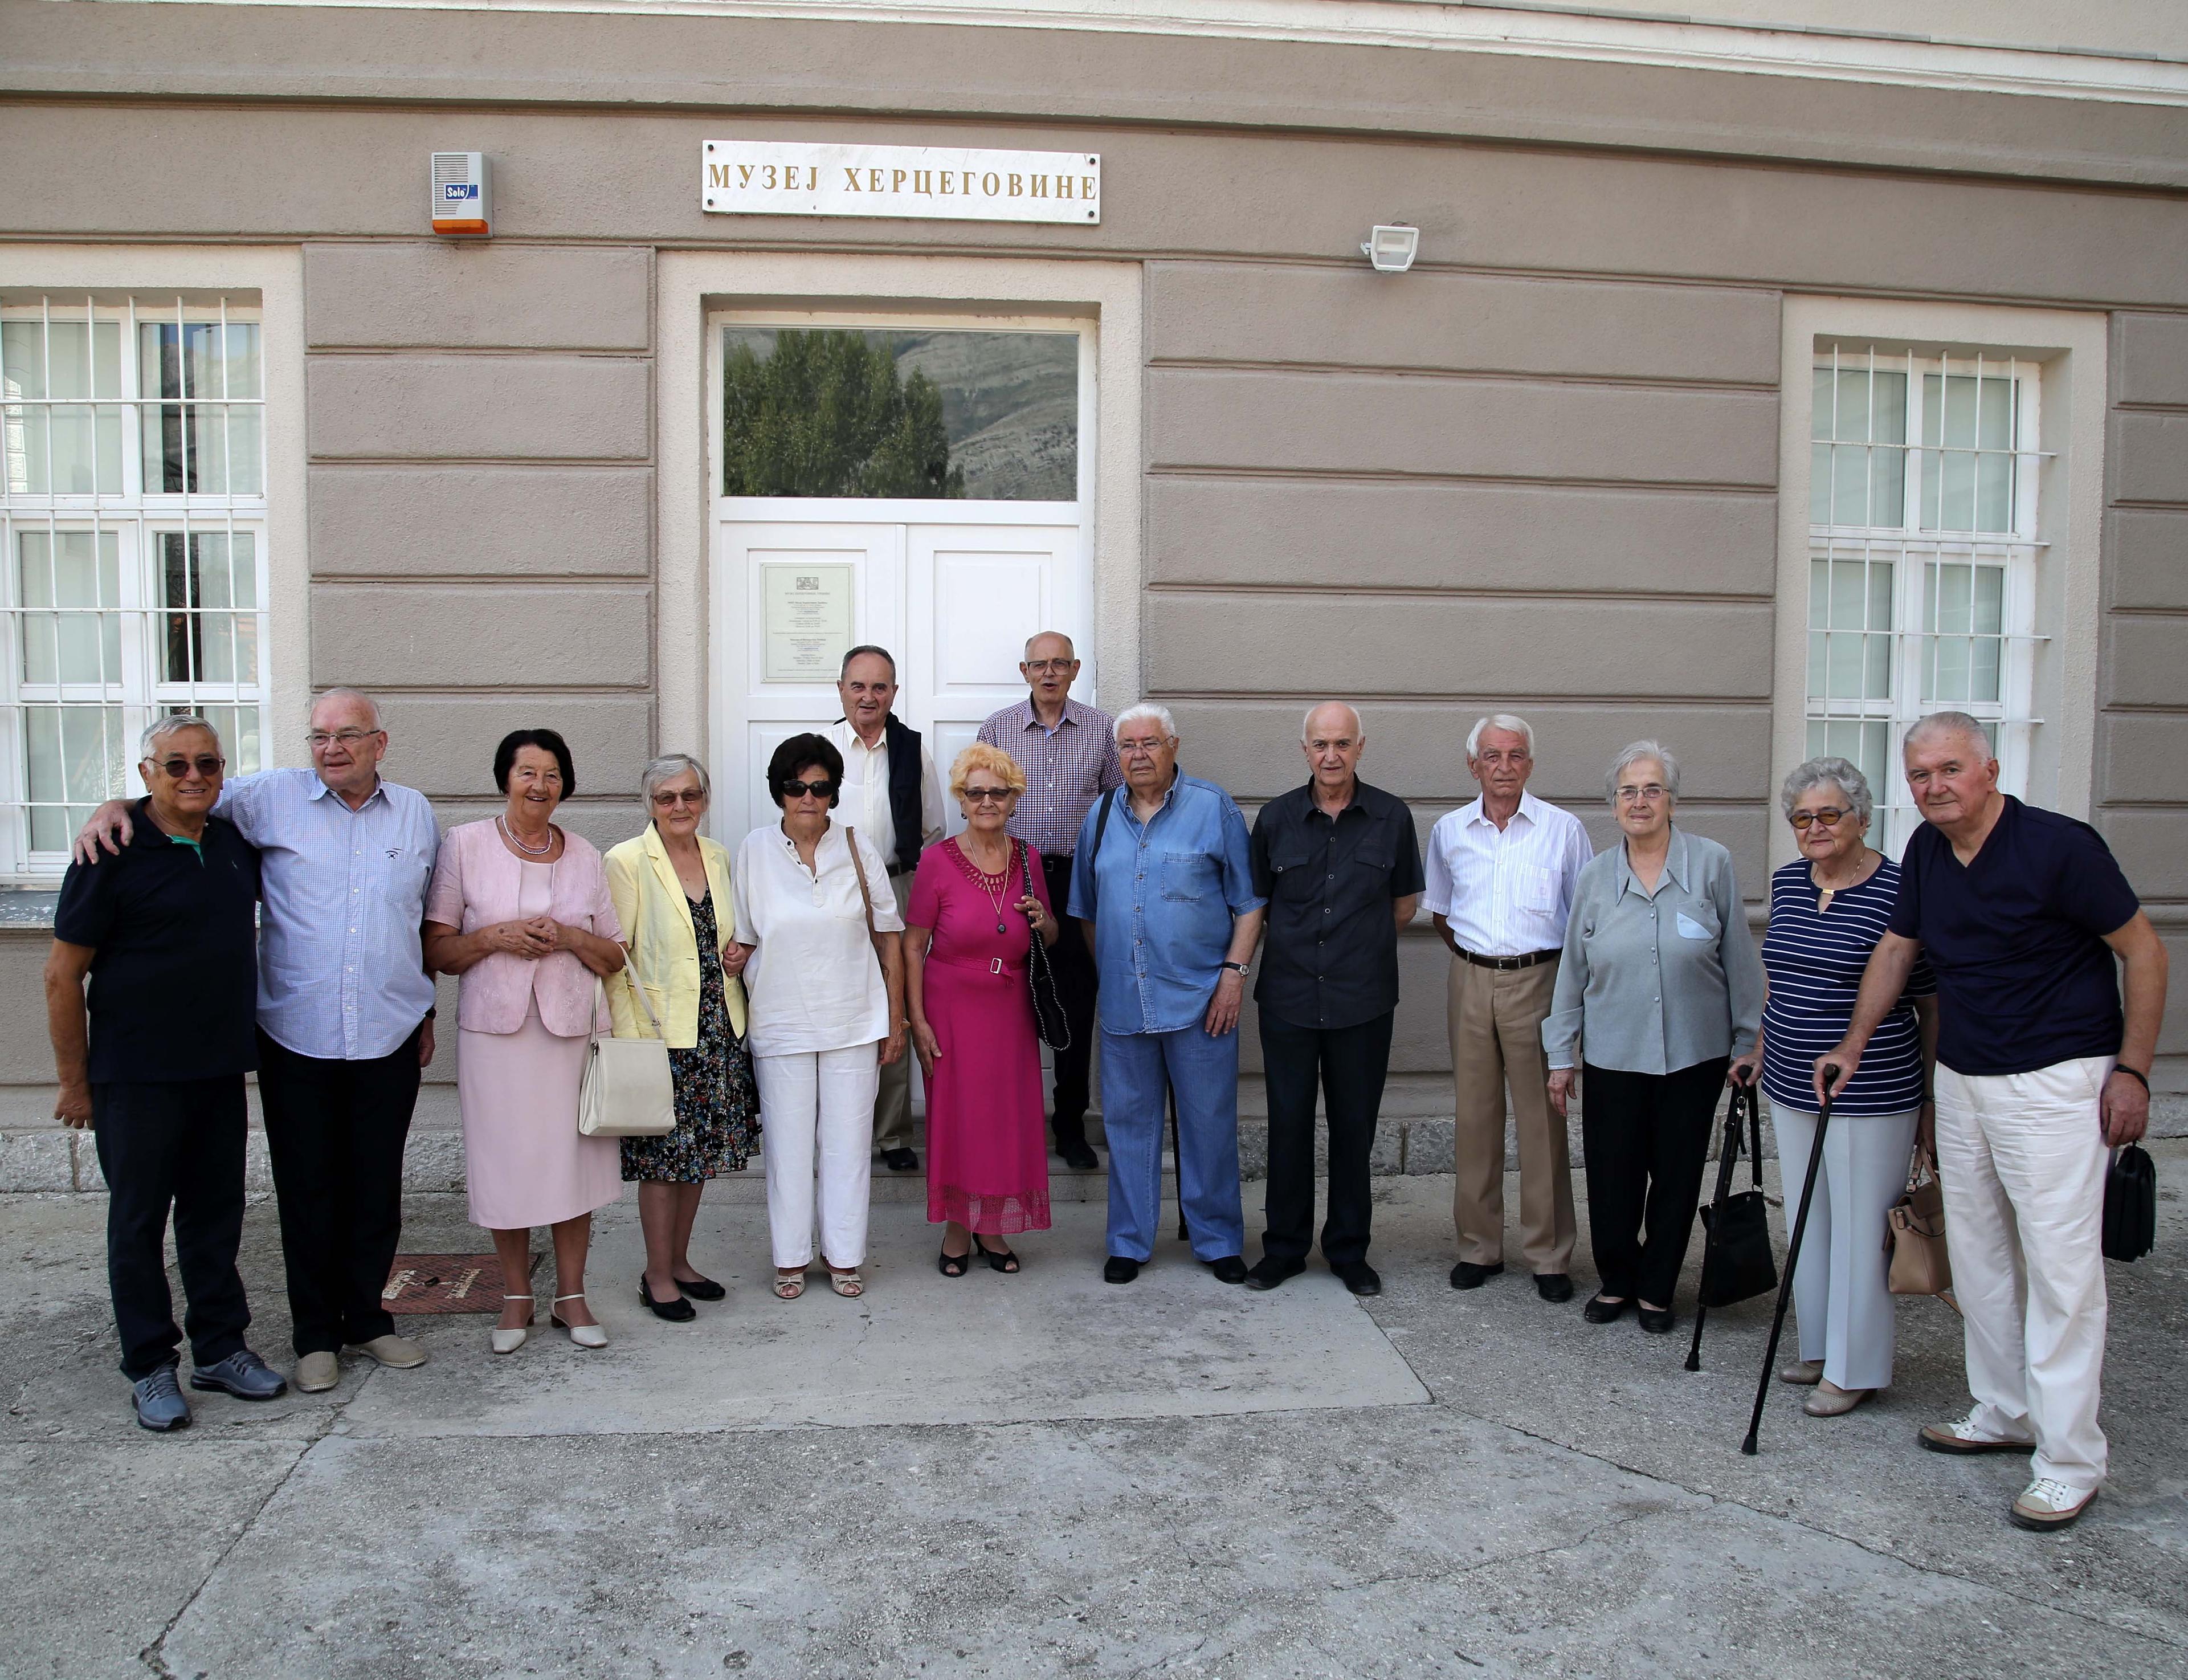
(1496, 1040)
(892, 1103)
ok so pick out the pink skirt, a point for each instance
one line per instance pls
(525, 1163)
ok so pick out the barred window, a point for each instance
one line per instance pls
(132, 522)
(1922, 558)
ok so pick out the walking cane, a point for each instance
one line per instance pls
(1831, 1075)
(1728, 1162)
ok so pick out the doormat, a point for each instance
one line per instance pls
(446, 1283)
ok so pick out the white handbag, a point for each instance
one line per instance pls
(627, 1092)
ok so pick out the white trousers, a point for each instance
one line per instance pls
(1840, 1287)
(2022, 1156)
(816, 1115)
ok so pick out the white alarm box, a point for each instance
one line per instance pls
(463, 196)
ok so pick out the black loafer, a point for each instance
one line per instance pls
(701, 1288)
(1554, 1286)
(678, 1311)
(1117, 1269)
(1077, 1154)
(1601, 1311)
(1656, 1320)
(1360, 1278)
(1269, 1271)
(1229, 1269)
(1466, 1275)
(900, 1160)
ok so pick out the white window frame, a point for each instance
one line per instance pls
(248, 284)
(2048, 709)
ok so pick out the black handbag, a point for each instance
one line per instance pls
(1737, 1261)
(2130, 1205)
(1049, 1019)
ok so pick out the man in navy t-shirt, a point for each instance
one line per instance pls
(2021, 912)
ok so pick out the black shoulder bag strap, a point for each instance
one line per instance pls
(1094, 863)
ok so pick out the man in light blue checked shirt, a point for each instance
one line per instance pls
(345, 1017)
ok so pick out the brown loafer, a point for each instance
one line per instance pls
(1830, 1401)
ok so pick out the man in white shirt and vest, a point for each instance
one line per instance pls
(892, 796)
(1500, 876)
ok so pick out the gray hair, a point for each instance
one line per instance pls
(1507, 723)
(1359, 722)
(1633, 753)
(172, 723)
(1146, 708)
(358, 695)
(1840, 772)
(845, 669)
(1950, 723)
(668, 765)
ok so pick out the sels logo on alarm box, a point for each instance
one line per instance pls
(461, 194)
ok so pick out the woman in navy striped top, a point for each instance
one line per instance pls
(1827, 912)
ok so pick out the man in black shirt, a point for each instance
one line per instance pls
(1341, 866)
(168, 932)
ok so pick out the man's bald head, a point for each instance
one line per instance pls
(1332, 718)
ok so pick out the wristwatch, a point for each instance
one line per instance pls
(1237, 967)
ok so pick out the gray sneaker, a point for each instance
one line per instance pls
(159, 1401)
(244, 1374)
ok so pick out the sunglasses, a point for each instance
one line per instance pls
(986, 796)
(205, 764)
(1828, 816)
(818, 789)
(678, 796)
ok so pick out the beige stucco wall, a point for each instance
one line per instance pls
(1541, 471)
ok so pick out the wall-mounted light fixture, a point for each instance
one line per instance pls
(1391, 248)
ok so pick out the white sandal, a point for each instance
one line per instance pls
(584, 1335)
(508, 1341)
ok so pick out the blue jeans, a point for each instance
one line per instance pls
(1203, 1071)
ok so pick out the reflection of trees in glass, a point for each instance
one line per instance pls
(826, 414)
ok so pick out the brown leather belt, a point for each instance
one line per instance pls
(1506, 964)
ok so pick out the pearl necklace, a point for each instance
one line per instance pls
(509, 835)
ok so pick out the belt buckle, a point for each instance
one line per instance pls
(995, 965)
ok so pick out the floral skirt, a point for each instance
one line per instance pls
(717, 1103)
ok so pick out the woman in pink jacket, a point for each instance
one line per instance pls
(521, 909)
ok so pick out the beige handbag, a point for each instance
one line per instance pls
(1914, 1235)
(627, 1092)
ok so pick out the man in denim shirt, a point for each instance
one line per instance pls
(1162, 886)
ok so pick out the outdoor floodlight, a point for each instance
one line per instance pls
(1392, 249)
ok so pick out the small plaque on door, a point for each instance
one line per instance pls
(806, 619)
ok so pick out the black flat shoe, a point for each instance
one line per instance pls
(1004, 1262)
(900, 1160)
(1360, 1278)
(954, 1265)
(1229, 1269)
(678, 1311)
(1656, 1320)
(1554, 1286)
(1466, 1275)
(701, 1288)
(1117, 1269)
(1601, 1311)
(1269, 1271)
(1079, 1155)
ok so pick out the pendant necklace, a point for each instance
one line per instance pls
(509, 835)
(994, 898)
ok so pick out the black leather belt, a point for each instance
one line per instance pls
(1506, 964)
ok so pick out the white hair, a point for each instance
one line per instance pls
(666, 767)
(1146, 708)
(1829, 772)
(356, 695)
(1501, 720)
(1359, 722)
(1633, 753)
(172, 723)
(1970, 729)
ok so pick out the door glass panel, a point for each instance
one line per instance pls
(875, 412)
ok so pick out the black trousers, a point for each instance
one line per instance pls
(174, 1144)
(335, 1131)
(1647, 1138)
(1076, 987)
(1349, 1064)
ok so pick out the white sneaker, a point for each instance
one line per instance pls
(1961, 1435)
(2046, 1504)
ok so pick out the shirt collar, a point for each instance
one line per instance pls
(1675, 865)
(1354, 803)
(1032, 718)
(1479, 812)
(320, 790)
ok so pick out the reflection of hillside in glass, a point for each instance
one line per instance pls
(1010, 403)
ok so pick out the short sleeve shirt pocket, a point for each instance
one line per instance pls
(1189, 877)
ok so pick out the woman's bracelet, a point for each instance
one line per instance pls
(2121, 1068)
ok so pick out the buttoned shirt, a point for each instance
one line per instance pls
(1066, 769)
(1162, 896)
(812, 982)
(342, 974)
(1653, 984)
(1331, 959)
(864, 805)
(1506, 892)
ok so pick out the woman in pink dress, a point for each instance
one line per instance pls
(520, 908)
(968, 935)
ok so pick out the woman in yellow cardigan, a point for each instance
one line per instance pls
(671, 887)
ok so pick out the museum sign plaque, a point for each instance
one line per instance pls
(774, 177)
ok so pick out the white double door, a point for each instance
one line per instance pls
(951, 588)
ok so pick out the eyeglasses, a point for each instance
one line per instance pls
(205, 764)
(987, 795)
(677, 795)
(1043, 667)
(1152, 744)
(1828, 816)
(818, 789)
(319, 739)
(1652, 792)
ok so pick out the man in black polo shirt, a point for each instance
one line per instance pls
(168, 934)
(2038, 1070)
(1341, 866)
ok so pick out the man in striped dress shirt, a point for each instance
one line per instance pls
(1500, 877)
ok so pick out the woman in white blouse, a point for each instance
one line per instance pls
(826, 1011)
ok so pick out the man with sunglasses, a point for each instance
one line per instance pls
(153, 1059)
(345, 1017)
